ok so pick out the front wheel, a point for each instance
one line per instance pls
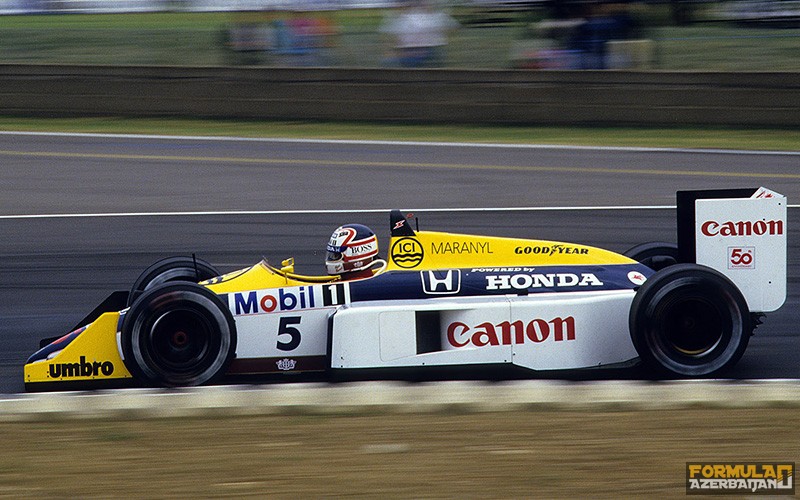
(178, 334)
(689, 320)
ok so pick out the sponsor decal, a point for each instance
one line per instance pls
(774, 478)
(286, 364)
(461, 247)
(407, 253)
(241, 366)
(741, 257)
(556, 249)
(399, 224)
(763, 192)
(636, 278)
(441, 282)
(511, 332)
(288, 299)
(334, 295)
(742, 228)
(362, 249)
(503, 269)
(82, 368)
(550, 280)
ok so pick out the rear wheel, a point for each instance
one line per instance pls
(656, 255)
(689, 320)
(178, 334)
(180, 268)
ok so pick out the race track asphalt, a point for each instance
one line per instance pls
(55, 269)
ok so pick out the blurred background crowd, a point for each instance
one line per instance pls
(732, 35)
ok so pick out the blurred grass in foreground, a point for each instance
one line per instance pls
(521, 454)
(685, 137)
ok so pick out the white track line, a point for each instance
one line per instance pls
(313, 212)
(338, 211)
(407, 143)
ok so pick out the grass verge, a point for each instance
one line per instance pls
(523, 454)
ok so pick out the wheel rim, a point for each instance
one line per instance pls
(692, 330)
(693, 326)
(181, 341)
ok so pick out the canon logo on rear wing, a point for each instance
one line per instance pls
(742, 228)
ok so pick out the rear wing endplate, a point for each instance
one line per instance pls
(740, 233)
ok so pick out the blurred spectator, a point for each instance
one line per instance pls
(605, 22)
(279, 37)
(420, 35)
(250, 36)
(304, 39)
(580, 36)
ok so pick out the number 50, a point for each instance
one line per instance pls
(740, 257)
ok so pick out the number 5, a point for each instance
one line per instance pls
(284, 328)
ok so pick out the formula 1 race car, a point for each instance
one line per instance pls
(448, 300)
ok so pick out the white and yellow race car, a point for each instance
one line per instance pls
(447, 300)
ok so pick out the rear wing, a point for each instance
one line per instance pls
(740, 233)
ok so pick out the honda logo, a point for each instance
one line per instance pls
(441, 282)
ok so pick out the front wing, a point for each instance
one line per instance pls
(87, 358)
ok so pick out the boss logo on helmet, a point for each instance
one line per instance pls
(362, 250)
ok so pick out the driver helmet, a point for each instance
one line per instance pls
(352, 248)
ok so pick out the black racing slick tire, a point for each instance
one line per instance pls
(656, 255)
(180, 268)
(178, 334)
(689, 320)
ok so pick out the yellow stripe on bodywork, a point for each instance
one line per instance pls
(434, 250)
(259, 277)
(93, 355)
